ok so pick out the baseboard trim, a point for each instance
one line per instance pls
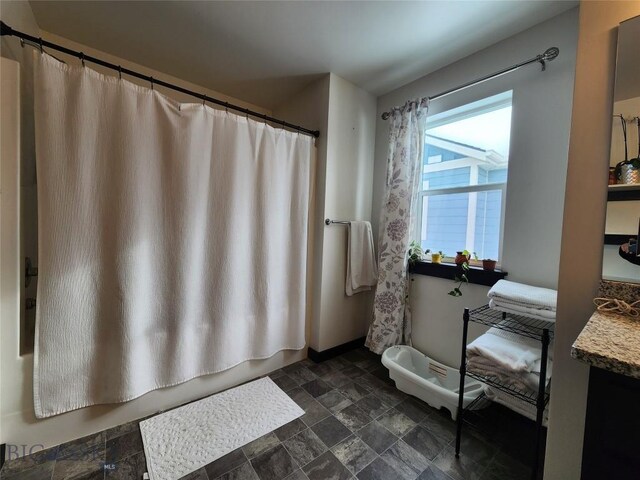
(318, 357)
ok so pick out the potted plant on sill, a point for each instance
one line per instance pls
(415, 252)
(437, 257)
(462, 257)
(488, 264)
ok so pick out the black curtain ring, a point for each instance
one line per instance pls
(204, 99)
(226, 107)
(151, 80)
(120, 72)
(82, 58)
(283, 126)
(40, 41)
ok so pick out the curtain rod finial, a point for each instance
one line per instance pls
(5, 29)
(551, 53)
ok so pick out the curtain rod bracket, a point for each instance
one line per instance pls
(543, 64)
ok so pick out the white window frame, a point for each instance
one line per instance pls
(466, 111)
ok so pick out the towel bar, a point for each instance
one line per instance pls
(328, 221)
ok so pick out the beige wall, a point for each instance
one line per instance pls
(583, 227)
(437, 317)
(310, 107)
(343, 192)
(349, 179)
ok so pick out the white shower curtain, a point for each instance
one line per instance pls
(172, 239)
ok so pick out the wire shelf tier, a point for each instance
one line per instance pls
(525, 326)
(529, 397)
(476, 401)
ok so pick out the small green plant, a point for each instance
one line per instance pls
(475, 256)
(460, 280)
(415, 252)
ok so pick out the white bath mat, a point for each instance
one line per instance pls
(183, 440)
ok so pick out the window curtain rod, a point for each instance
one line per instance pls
(547, 56)
(8, 31)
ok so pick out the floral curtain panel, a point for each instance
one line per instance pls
(391, 312)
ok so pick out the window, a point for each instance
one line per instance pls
(464, 178)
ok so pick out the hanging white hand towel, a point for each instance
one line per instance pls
(362, 273)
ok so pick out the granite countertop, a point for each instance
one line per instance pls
(610, 341)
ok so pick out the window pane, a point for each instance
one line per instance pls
(458, 221)
(470, 151)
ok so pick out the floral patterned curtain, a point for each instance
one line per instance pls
(391, 312)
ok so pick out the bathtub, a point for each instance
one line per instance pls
(433, 382)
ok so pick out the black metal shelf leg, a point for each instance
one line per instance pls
(540, 403)
(463, 371)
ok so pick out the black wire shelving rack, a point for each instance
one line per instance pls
(520, 325)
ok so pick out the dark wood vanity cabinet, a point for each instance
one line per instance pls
(612, 431)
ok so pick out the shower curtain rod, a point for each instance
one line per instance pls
(547, 56)
(7, 30)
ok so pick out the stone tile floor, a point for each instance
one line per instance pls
(356, 425)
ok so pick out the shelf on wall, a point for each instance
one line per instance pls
(623, 192)
(625, 186)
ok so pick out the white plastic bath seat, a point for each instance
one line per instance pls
(430, 381)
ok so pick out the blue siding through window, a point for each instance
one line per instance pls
(446, 216)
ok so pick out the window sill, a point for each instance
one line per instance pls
(476, 275)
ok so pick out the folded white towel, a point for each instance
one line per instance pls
(514, 359)
(517, 380)
(524, 381)
(524, 295)
(508, 350)
(362, 273)
(546, 315)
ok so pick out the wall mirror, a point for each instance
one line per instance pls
(621, 259)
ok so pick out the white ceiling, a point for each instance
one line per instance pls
(264, 51)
